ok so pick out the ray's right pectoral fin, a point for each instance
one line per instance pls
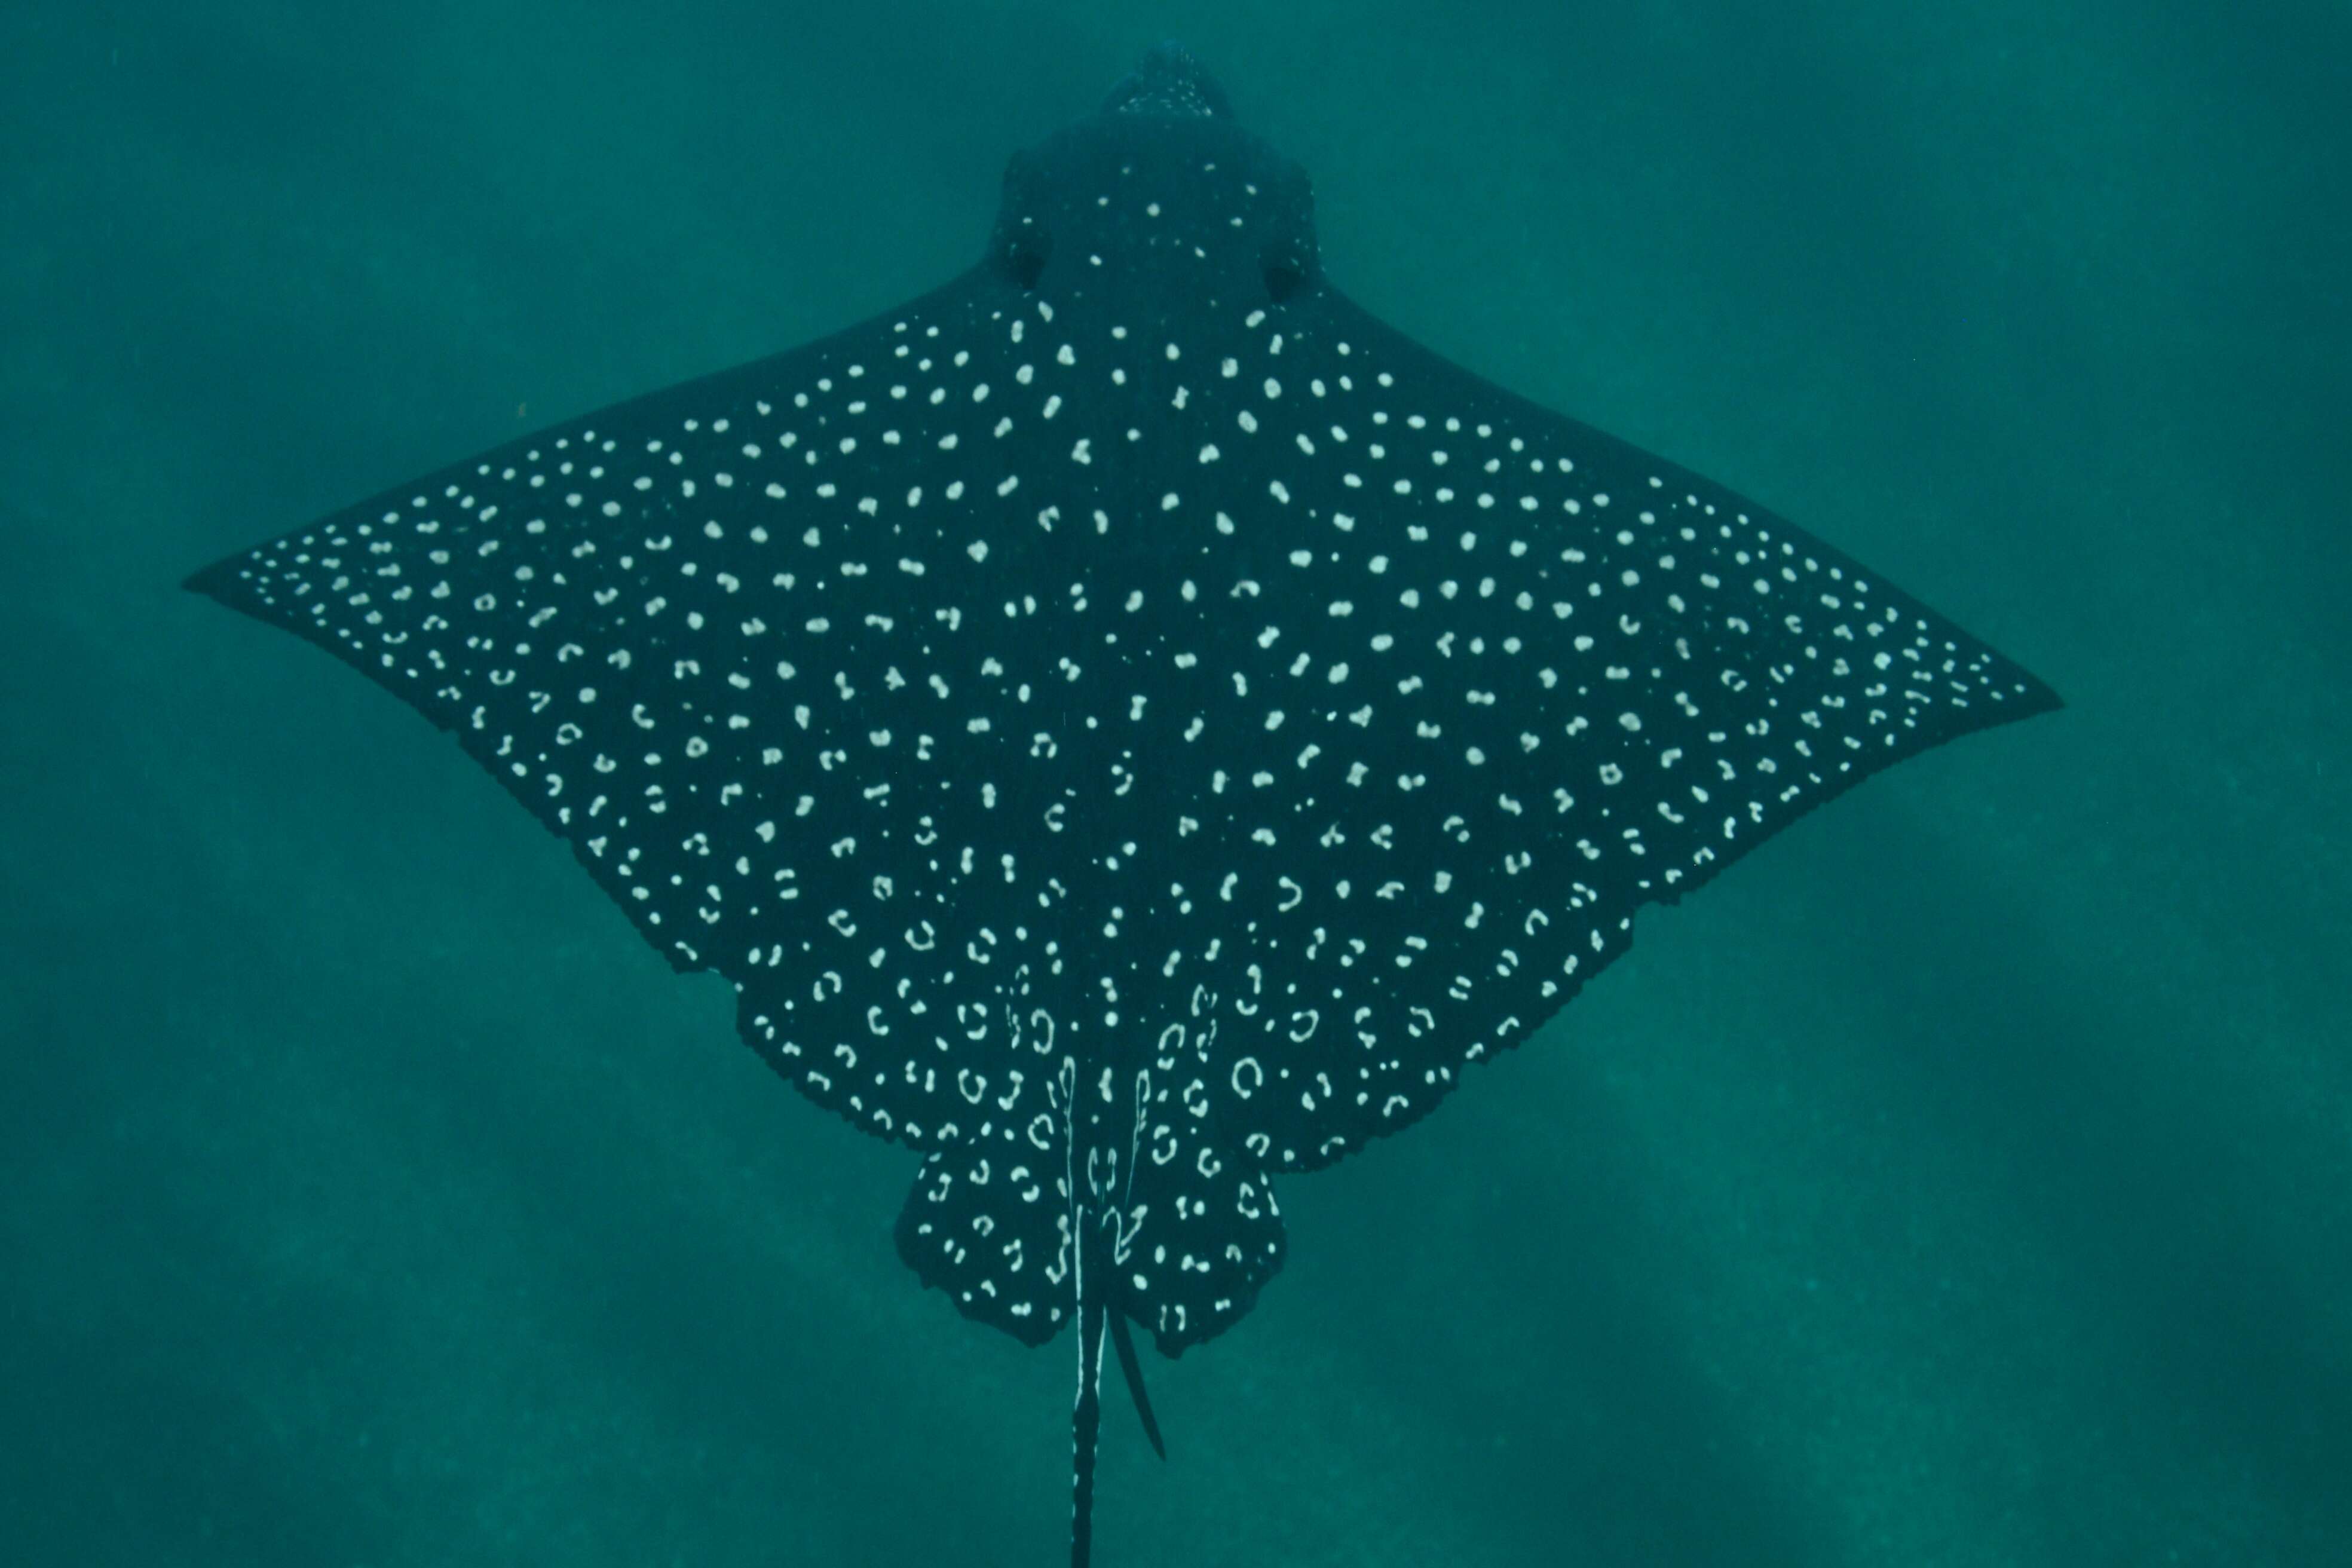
(993, 1233)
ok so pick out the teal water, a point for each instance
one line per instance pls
(1963, 1179)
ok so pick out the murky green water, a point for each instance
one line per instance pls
(1962, 1180)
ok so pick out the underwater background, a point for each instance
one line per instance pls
(1965, 1179)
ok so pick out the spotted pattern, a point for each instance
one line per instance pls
(1128, 723)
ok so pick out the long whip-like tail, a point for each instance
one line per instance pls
(1085, 1420)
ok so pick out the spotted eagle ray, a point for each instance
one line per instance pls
(1127, 721)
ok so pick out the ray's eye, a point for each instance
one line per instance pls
(1287, 260)
(1283, 276)
(1027, 250)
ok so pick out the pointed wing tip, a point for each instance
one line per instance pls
(2040, 697)
(2026, 695)
(214, 581)
(2016, 692)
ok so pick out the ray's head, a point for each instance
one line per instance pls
(1157, 202)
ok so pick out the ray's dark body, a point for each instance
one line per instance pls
(1127, 722)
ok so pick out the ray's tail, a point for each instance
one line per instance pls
(1085, 1419)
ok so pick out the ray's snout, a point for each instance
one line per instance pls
(1169, 81)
